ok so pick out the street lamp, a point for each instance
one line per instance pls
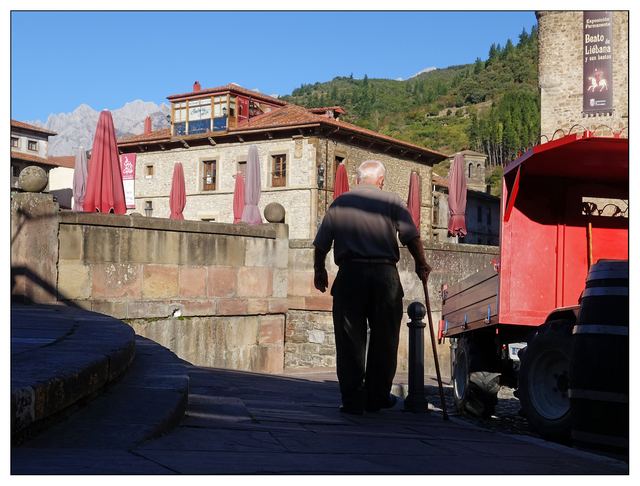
(320, 176)
(149, 209)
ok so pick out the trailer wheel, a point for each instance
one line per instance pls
(474, 391)
(543, 381)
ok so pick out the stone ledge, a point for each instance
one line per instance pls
(265, 230)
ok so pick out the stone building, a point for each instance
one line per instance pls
(29, 146)
(211, 132)
(482, 212)
(560, 74)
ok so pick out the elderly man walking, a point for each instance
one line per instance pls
(363, 224)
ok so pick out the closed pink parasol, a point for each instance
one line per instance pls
(177, 196)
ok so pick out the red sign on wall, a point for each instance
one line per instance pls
(128, 169)
(243, 110)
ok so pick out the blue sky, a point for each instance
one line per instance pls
(106, 59)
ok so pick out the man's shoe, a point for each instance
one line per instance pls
(389, 404)
(350, 411)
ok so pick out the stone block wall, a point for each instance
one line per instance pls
(215, 294)
(396, 180)
(560, 71)
(309, 340)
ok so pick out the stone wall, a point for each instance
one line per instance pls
(309, 339)
(215, 294)
(296, 197)
(560, 66)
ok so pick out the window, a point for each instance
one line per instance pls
(279, 173)
(148, 172)
(209, 175)
(479, 214)
(32, 145)
(489, 216)
(436, 210)
(15, 142)
(199, 116)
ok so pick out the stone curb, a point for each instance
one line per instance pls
(49, 380)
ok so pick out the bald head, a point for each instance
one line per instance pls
(370, 171)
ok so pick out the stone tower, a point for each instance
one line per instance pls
(560, 73)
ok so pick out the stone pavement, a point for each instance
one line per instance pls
(250, 423)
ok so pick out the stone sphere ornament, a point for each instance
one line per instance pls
(274, 213)
(33, 179)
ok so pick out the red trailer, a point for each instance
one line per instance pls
(564, 208)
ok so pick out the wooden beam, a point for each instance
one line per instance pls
(185, 143)
(240, 138)
(212, 141)
(387, 149)
(269, 135)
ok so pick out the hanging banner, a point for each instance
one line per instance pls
(128, 169)
(598, 63)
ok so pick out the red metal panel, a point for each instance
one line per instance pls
(543, 245)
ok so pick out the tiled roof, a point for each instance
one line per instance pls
(68, 161)
(337, 109)
(440, 181)
(31, 158)
(469, 152)
(156, 135)
(287, 116)
(229, 87)
(18, 124)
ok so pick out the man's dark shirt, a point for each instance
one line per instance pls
(363, 223)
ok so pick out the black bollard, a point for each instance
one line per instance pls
(416, 400)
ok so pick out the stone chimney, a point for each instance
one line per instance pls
(196, 86)
(147, 125)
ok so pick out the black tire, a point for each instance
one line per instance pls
(474, 391)
(543, 381)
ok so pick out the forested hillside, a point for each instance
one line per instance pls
(491, 106)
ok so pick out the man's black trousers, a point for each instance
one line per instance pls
(366, 293)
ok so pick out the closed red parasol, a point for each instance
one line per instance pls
(413, 201)
(342, 184)
(457, 197)
(80, 173)
(105, 192)
(238, 198)
(177, 196)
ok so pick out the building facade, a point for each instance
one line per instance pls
(210, 135)
(29, 146)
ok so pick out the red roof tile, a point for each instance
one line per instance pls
(31, 158)
(18, 124)
(228, 87)
(68, 161)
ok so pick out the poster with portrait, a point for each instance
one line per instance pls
(598, 63)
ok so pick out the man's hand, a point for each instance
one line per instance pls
(321, 279)
(423, 270)
(422, 267)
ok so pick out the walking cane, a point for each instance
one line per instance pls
(435, 352)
